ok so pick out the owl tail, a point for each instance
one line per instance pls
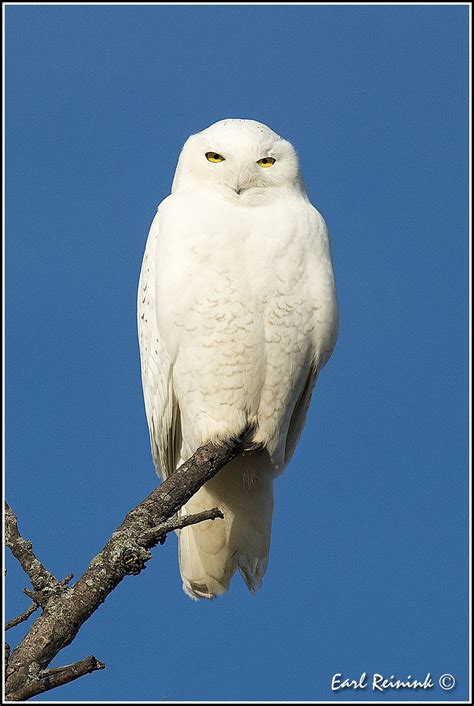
(211, 551)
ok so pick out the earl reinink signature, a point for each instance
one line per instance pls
(380, 682)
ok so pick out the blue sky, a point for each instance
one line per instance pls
(368, 566)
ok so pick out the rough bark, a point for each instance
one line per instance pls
(66, 608)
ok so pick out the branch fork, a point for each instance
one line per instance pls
(126, 553)
(51, 678)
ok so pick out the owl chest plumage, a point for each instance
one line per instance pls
(238, 298)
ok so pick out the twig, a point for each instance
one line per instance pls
(52, 678)
(158, 533)
(42, 597)
(66, 579)
(125, 553)
(24, 616)
(22, 550)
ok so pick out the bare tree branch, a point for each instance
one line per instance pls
(158, 534)
(52, 678)
(24, 616)
(126, 552)
(41, 597)
(22, 550)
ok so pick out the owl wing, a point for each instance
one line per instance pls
(325, 318)
(162, 410)
(300, 410)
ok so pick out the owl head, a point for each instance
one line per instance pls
(238, 157)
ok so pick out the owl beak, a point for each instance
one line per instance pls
(240, 188)
(243, 181)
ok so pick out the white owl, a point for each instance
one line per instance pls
(237, 314)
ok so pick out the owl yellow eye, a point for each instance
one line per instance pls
(214, 157)
(266, 162)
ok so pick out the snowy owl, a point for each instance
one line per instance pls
(237, 314)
